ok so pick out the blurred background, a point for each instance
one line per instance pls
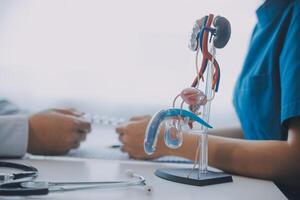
(113, 57)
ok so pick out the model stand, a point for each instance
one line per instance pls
(208, 34)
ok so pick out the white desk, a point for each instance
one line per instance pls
(76, 169)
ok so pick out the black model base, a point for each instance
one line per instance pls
(179, 175)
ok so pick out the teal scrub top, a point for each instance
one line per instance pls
(267, 92)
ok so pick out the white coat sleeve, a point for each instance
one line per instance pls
(13, 130)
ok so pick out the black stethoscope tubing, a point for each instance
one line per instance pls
(14, 187)
(29, 170)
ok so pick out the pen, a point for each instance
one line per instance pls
(115, 146)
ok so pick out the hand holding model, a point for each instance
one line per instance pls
(132, 134)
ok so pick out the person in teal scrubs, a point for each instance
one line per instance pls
(267, 102)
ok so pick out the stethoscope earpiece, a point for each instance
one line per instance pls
(148, 189)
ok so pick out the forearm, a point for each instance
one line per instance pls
(187, 149)
(189, 145)
(273, 160)
(228, 132)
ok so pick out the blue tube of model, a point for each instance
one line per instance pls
(153, 127)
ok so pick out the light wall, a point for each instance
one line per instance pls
(112, 56)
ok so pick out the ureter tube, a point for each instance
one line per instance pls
(203, 150)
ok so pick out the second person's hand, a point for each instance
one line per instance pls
(132, 136)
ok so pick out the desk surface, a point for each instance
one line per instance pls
(75, 169)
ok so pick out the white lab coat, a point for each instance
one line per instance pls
(13, 130)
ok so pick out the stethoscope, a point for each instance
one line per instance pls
(24, 184)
